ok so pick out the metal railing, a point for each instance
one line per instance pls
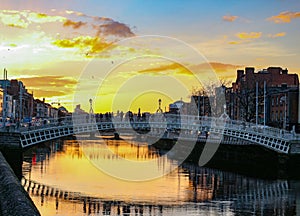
(269, 137)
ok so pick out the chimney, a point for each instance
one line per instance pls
(249, 70)
(43, 100)
(284, 71)
(274, 70)
(240, 74)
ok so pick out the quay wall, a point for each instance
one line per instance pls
(14, 200)
(10, 147)
(248, 159)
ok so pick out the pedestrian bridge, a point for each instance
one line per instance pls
(170, 127)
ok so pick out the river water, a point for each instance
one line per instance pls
(70, 177)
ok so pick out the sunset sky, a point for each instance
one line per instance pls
(72, 50)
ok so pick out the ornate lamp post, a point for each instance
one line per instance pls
(91, 113)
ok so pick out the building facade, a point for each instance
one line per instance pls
(17, 104)
(269, 96)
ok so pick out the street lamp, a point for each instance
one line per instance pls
(91, 112)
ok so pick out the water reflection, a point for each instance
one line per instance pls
(61, 180)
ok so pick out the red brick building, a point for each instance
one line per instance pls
(268, 96)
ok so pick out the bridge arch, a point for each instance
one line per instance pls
(271, 138)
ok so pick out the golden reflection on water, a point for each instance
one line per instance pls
(80, 188)
(72, 168)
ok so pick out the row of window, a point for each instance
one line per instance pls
(278, 100)
(277, 116)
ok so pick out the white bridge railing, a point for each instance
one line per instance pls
(272, 138)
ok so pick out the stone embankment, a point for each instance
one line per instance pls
(14, 200)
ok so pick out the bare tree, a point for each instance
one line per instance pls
(211, 97)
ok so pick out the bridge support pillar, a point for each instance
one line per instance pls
(116, 136)
(10, 146)
(282, 165)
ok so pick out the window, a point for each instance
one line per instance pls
(281, 117)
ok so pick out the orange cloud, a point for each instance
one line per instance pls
(229, 18)
(43, 93)
(56, 85)
(245, 37)
(176, 68)
(236, 42)
(91, 45)
(251, 35)
(73, 24)
(280, 34)
(221, 67)
(163, 68)
(284, 17)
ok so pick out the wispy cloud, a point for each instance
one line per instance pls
(280, 34)
(245, 37)
(75, 12)
(104, 26)
(56, 85)
(45, 93)
(284, 17)
(54, 81)
(175, 68)
(74, 24)
(229, 18)
(12, 19)
(220, 67)
(237, 42)
(34, 17)
(251, 35)
(22, 19)
(93, 33)
(90, 45)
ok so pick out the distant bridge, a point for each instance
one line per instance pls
(188, 127)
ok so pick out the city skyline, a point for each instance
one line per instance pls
(49, 46)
